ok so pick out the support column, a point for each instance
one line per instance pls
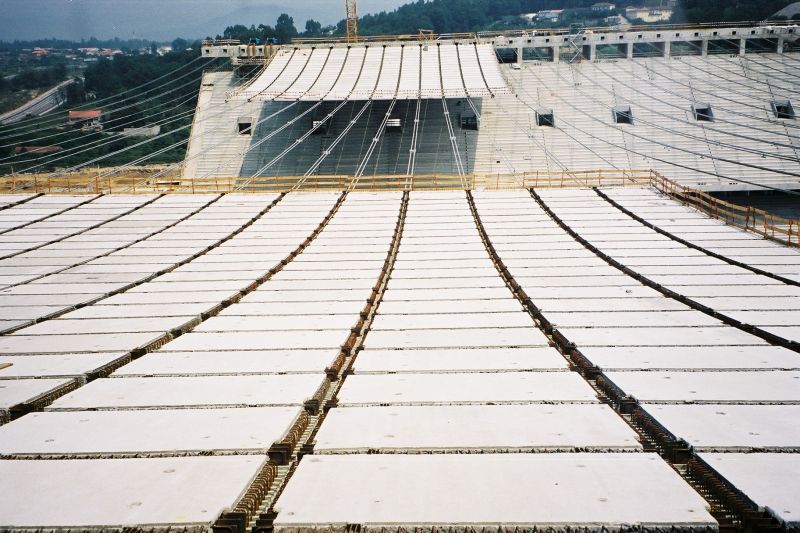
(667, 48)
(704, 50)
(556, 53)
(629, 52)
(780, 45)
(592, 52)
(742, 46)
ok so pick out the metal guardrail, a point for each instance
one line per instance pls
(142, 184)
(769, 225)
(780, 229)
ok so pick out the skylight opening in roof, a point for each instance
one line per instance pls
(783, 109)
(623, 114)
(546, 118)
(703, 112)
(245, 126)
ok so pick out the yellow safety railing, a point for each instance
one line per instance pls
(770, 225)
(752, 219)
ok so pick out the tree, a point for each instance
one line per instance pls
(179, 45)
(284, 29)
(313, 28)
(153, 48)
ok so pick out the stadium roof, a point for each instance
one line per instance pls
(417, 310)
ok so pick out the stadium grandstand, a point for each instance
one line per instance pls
(459, 283)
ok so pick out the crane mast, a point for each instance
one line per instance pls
(351, 19)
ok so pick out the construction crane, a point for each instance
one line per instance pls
(351, 20)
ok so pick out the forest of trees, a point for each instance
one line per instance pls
(38, 78)
(454, 16)
(729, 11)
(283, 32)
(451, 16)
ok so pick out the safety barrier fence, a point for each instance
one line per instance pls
(752, 219)
(770, 225)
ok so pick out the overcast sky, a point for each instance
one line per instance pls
(160, 19)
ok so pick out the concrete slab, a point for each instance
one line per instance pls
(575, 490)
(771, 480)
(688, 318)
(455, 338)
(147, 431)
(450, 306)
(709, 387)
(255, 340)
(267, 309)
(445, 389)
(101, 342)
(17, 391)
(516, 319)
(705, 357)
(165, 491)
(458, 360)
(233, 391)
(471, 427)
(731, 427)
(660, 336)
(56, 365)
(279, 323)
(231, 362)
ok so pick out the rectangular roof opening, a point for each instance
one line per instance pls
(245, 125)
(703, 112)
(546, 118)
(783, 109)
(623, 114)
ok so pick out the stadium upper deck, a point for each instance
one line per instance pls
(710, 107)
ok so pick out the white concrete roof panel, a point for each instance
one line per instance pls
(730, 427)
(458, 360)
(229, 362)
(159, 491)
(504, 387)
(17, 391)
(147, 431)
(771, 480)
(133, 392)
(569, 490)
(679, 357)
(733, 387)
(472, 426)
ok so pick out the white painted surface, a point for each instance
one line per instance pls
(659, 336)
(446, 338)
(55, 365)
(778, 386)
(101, 342)
(472, 426)
(188, 391)
(454, 360)
(147, 431)
(772, 480)
(368, 389)
(17, 391)
(677, 357)
(516, 319)
(538, 489)
(253, 340)
(186, 490)
(229, 362)
(731, 426)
